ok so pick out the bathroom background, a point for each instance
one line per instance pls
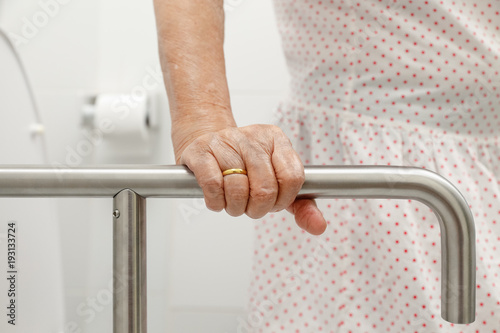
(199, 262)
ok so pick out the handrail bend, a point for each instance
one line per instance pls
(458, 259)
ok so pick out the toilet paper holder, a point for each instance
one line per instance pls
(88, 107)
(131, 185)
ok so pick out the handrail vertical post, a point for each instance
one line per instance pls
(129, 263)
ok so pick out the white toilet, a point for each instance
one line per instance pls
(39, 285)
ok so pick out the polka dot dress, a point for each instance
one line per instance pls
(382, 82)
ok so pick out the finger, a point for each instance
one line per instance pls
(262, 182)
(289, 173)
(207, 172)
(227, 153)
(236, 193)
(308, 216)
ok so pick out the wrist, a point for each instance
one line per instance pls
(190, 126)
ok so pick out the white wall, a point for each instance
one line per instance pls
(199, 261)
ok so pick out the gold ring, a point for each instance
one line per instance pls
(233, 171)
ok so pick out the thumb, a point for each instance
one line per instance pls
(308, 216)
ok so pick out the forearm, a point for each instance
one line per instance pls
(191, 37)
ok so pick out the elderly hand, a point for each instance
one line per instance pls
(275, 174)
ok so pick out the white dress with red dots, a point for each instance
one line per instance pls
(380, 82)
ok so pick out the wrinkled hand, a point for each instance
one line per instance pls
(274, 177)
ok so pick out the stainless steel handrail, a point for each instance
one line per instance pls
(458, 260)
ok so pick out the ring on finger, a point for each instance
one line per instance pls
(234, 171)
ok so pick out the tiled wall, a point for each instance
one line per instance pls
(199, 261)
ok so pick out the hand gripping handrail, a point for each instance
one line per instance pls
(130, 185)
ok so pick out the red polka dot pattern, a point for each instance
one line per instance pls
(378, 82)
(432, 63)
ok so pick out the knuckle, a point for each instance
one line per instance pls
(194, 153)
(278, 132)
(291, 174)
(211, 185)
(275, 129)
(293, 179)
(212, 140)
(200, 142)
(189, 155)
(229, 132)
(263, 194)
(238, 195)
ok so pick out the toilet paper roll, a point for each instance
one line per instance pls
(123, 122)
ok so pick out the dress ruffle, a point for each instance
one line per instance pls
(377, 268)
